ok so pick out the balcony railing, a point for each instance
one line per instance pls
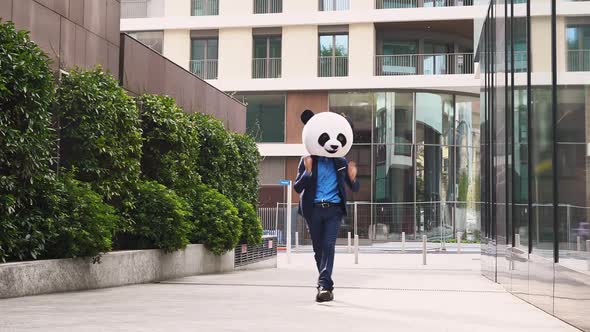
(334, 5)
(205, 69)
(268, 6)
(204, 7)
(387, 4)
(134, 9)
(266, 68)
(578, 60)
(333, 66)
(424, 64)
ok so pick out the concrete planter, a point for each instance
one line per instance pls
(116, 269)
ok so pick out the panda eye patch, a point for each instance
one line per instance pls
(342, 139)
(323, 139)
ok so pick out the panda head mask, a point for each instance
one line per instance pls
(326, 134)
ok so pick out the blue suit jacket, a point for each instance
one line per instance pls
(306, 185)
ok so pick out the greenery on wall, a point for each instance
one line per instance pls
(27, 143)
(85, 168)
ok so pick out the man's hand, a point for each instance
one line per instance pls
(308, 162)
(352, 170)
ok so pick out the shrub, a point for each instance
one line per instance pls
(248, 168)
(171, 143)
(218, 157)
(84, 223)
(100, 133)
(216, 221)
(251, 225)
(161, 218)
(27, 142)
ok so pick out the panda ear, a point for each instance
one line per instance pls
(306, 115)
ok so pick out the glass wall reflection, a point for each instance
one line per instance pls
(422, 163)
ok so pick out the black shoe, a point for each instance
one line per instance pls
(324, 296)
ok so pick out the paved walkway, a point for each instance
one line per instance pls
(385, 292)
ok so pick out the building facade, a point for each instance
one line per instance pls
(402, 70)
(535, 74)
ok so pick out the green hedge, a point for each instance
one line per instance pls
(139, 171)
(84, 224)
(160, 218)
(27, 143)
(251, 225)
(100, 133)
(171, 145)
(218, 157)
(216, 220)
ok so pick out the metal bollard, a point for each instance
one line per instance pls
(517, 240)
(349, 242)
(459, 235)
(403, 242)
(579, 239)
(297, 242)
(356, 249)
(424, 238)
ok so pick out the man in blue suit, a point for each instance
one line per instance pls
(321, 182)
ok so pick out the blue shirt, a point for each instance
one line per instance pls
(327, 185)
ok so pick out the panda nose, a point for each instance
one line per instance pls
(334, 147)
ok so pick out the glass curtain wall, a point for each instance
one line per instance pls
(534, 155)
(422, 163)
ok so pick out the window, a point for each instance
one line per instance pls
(334, 5)
(266, 60)
(578, 47)
(268, 6)
(333, 51)
(141, 8)
(204, 7)
(265, 117)
(151, 39)
(204, 54)
(435, 59)
(397, 58)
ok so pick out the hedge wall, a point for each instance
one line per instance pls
(86, 167)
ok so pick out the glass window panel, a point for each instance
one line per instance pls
(326, 45)
(212, 49)
(275, 47)
(265, 117)
(394, 118)
(434, 118)
(260, 47)
(341, 45)
(391, 47)
(573, 188)
(198, 49)
(358, 107)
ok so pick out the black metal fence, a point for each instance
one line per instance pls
(247, 254)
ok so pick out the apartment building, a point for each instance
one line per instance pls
(402, 70)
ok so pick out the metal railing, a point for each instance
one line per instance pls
(334, 5)
(389, 4)
(424, 64)
(204, 7)
(205, 69)
(384, 222)
(333, 66)
(266, 68)
(578, 60)
(268, 6)
(134, 8)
